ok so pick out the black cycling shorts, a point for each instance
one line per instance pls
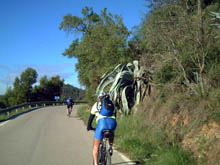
(69, 106)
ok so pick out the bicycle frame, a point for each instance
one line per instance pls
(104, 157)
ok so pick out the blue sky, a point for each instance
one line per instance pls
(30, 35)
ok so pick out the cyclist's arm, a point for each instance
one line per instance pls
(89, 125)
(91, 117)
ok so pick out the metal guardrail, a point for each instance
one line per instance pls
(35, 104)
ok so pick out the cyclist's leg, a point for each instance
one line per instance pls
(111, 139)
(111, 125)
(95, 150)
(71, 109)
(67, 110)
(98, 136)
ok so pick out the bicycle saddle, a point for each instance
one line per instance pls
(107, 133)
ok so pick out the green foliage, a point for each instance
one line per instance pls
(2, 102)
(101, 47)
(166, 74)
(148, 144)
(216, 18)
(214, 105)
(129, 138)
(8, 99)
(76, 24)
(177, 40)
(83, 112)
(125, 85)
(172, 155)
(182, 42)
(23, 86)
(48, 89)
(4, 116)
(23, 90)
(71, 91)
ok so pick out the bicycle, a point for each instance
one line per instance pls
(104, 155)
(69, 111)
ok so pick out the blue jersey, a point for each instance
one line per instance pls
(69, 101)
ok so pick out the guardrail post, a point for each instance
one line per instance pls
(44, 105)
(36, 105)
(16, 110)
(8, 113)
(23, 108)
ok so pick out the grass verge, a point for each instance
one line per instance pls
(83, 112)
(148, 145)
(4, 117)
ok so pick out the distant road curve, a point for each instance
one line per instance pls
(46, 136)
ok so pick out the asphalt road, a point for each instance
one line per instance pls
(46, 136)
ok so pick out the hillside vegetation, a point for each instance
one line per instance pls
(178, 41)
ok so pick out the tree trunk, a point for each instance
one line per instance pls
(200, 22)
(201, 42)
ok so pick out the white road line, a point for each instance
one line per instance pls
(5, 122)
(123, 156)
(126, 159)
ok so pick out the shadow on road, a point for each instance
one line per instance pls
(127, 163)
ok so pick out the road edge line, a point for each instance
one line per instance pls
(3, 123)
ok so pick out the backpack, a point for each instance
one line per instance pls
(68, 102)
(107, 107)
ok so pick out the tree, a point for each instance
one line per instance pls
(54, 87)
(102, 46)
(216, 18)
(48, 88)
(71, 91)
(181, 43)
(28, 78)
(2, 105)
(23, 86)
(40, 91)
(8, 99)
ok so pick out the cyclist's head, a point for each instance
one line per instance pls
(103, 95)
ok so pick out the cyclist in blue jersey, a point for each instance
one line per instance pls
(69, 103)
(105, 121)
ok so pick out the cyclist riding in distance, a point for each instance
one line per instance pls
(69, 103)
(105, 121)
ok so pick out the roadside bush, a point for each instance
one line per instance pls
(172, 155)
(148, 144)
(165, 74)
(2, 105)
(83, 113)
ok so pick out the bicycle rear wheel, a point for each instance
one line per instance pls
(69, 113)
(108, 158)
(101, 155)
